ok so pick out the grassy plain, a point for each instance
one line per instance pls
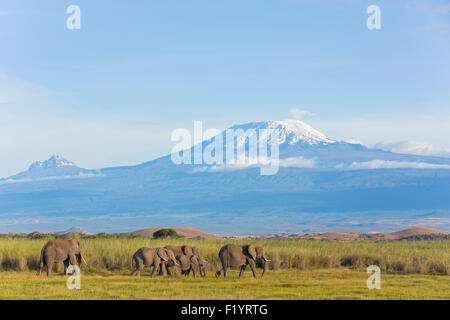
(300, 269)
(335, 283)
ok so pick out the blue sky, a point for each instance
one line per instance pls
(111, 93)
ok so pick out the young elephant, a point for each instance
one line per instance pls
(66, 251)
(156, 257)
(191, 263)
(232, 255)
(189, 252)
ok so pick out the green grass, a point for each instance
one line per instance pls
(336, 283)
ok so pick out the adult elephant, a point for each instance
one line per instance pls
(187, 251)
(232, 255)
(156, 257)
(55, 251)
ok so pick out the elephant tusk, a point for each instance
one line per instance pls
(267, 260)
(84, 260)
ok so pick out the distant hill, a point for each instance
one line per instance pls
(188, 232)
(408, 234)
(414, 232)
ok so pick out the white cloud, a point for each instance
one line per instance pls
(81, 175)
(409, 147)
(433, 128)
(300, 114)
(298, 162)
(383, 164)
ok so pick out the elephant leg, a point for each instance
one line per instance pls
(50, 264)
(153, 271)
(66, 266)
(224, 269)
(137, 272)
(242, 270)
(40, 267)
(253, 267)
(163, 269)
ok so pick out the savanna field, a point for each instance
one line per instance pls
(300, 269)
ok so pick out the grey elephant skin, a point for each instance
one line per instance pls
(156, 257)
(55, 251)
(188, 251)
(232, 255)
(193, 263)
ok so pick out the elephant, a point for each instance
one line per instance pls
(187, 251)
(66, 251)
(156, 257)
(191, 263)
(232, 255)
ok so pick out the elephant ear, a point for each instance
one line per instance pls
(251, 250)
(195, 260)
(196, 252)
(187, 250)
(163, 254)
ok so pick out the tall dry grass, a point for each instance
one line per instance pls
(114, 254)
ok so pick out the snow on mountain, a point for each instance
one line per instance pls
(55, 161)
(290, 131)
(56, 167)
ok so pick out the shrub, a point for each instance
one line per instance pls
(166, 233)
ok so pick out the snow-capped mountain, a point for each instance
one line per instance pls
(300, 145)
(289, 132)
(55, 161)
(56, 167)
(322, 184)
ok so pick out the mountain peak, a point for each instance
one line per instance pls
(55, 161)
(290, 131)
(56, 167)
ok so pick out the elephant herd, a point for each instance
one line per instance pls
(186, 258)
